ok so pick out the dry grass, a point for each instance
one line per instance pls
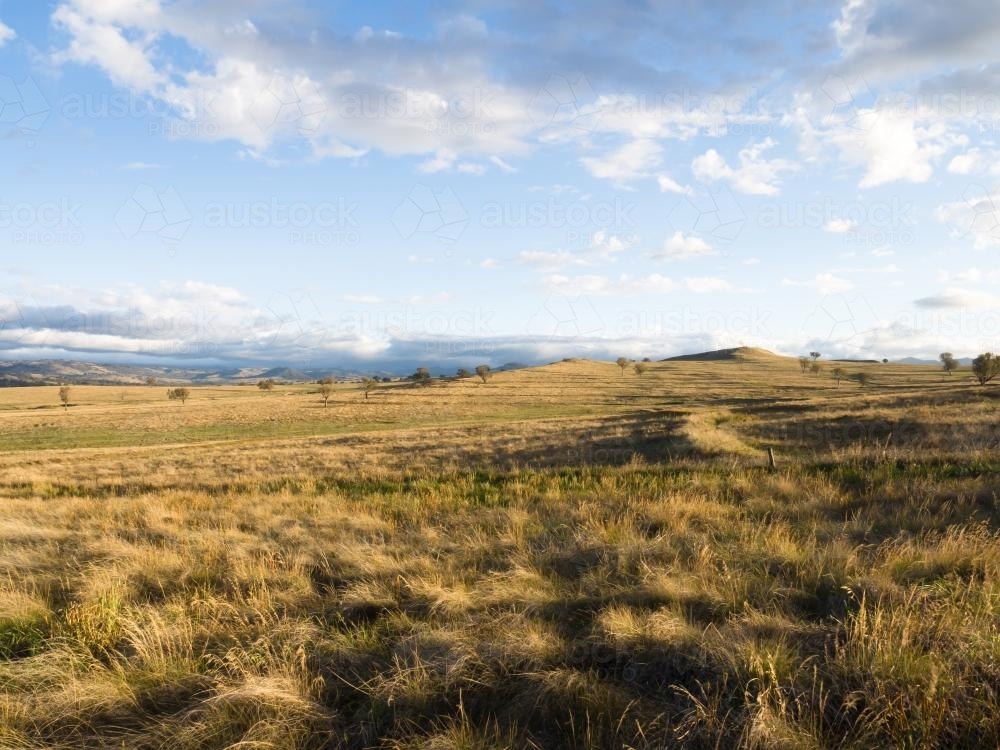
(560, 557)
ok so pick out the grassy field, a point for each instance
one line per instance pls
(565, 556)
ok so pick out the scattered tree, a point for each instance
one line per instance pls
(622, 362)
(328, 380)
(646, 359)
(861, 378)
(463, 373)
(986, 367)
(150, 380)
(804, 364)
(483, 371)
(266, 385)
(815, 355)
(948, 362)
(178, 394)
(885, 361)
(325, 390)
(838, 373)
(815, 368)
(64, 392)
(640, 368)
(422, 375)
(367, 384)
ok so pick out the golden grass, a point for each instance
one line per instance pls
(560, 557)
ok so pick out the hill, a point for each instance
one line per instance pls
(723, 355)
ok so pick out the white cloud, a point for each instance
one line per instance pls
(442, 161)
(958, 298)
(967, 163)
(636, 159)
(7, 34)
(680, 247)
(755, 174)
(839, 225)
(669, 185)
(502, 165)
(896, 149)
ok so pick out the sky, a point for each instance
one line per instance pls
(380, 185)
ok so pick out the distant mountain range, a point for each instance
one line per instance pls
(53, 372)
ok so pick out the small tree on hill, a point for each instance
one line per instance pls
(815, 355)
(64, 393)
(179, 394)
(861, 378)
(986, 367)
(463, 373)
(948, 362)
(815, 368)
(838, 373)
(150, 380)
(422, 375)
(266, 385)
(622, 362)
(367, 384)
(804, 364)
(483, 371)
(640, 368)
(325, 391)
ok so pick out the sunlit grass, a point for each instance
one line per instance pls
(557, 558)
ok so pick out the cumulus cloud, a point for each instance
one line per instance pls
(755, 174)
(634, 160)
(680, 246)
(6, 33)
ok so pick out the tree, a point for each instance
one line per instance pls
(640, 368)
(328, 380)
(325, 390)
(150, 380)
(367, 384)
(815, 355)
(483, 371)
(986, 367)
(64, 392)
(463, 373)
(948, 362)
(815, 368)
(266, 385)
(622, 362)
(178, 394)
(422, 375)
(838, 373)
(804, 363)
(861, 378)
(885, 361)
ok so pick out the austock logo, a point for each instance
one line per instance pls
(22, 105)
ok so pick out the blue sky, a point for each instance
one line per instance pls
(369, 185)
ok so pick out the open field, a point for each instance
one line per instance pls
(563, 556)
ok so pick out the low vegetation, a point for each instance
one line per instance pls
(555, 557)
